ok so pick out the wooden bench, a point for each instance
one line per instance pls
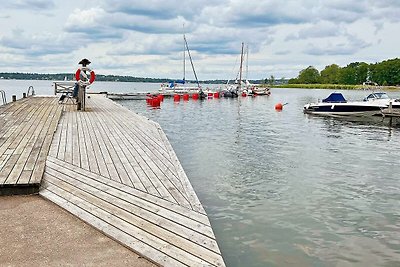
(67, 87)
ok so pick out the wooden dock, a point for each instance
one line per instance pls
(115, 170)
(26, 132)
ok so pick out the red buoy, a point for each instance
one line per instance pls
(279, 106)
(244, 94)
(160, 97)
(195, 96)
(155, 102)
(216, 95)
(185, 97)
(177, 98)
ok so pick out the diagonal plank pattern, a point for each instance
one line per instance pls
(26, 131)
(117, 171)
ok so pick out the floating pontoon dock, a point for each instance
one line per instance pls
(113, 169)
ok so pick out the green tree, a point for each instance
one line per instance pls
(309, 75)
(272, 80)
(386, 71)
(330, 75)
(354, 73)
(293, 81)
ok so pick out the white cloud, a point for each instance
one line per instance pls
(145, 37)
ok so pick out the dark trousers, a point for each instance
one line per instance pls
(76, 89)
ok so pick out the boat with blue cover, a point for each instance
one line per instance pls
(336, 105)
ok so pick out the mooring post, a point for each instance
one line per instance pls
(14, 98)
(23, 95)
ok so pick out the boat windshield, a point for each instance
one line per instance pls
(376, 96)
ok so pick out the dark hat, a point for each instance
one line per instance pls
(84, 61)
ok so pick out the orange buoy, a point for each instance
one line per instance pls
(185, 97)
(177, 98)
(279, 106)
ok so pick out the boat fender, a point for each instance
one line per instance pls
(79, 72)
(333, 106)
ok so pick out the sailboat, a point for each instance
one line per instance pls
(181, 86)
(250, 89)
(233, 90)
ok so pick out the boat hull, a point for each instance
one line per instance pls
(343, 109)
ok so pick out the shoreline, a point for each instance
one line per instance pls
(337, 87)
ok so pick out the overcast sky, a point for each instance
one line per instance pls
(145, 37)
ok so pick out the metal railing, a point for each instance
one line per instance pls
(3, 97)
(30, 89)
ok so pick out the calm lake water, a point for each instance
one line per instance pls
(284, 188)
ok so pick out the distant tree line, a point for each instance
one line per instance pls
(71, 76)
(99, 77)
(383, 73)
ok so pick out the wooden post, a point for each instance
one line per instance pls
(81, 98)
(23, 95)
(14, 98)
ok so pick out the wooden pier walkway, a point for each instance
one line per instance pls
(117, 171)
(26, 131)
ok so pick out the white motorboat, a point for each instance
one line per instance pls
(336, 105)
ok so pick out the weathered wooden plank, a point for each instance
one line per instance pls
(152, 157)
(29, 124)
(130, 241)
(182, 226)
(17, 141)
(94, 156)
(136, 125)
(137, 171)
(119, 156)
(7, 168)
(101, 153)
(63, 136)
(27, 149)
(176, 235)
(17, 130)
(84, 160)
(183, 179)
(126, 192)
(117, 141)
(76, 148)
(124, 224)
(11, 118)
(112, 147)
(69, 137)
(130, 140)
(38, 171)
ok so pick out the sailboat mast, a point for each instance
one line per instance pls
(191, 62)
(247, 62)
(241, 68)
(184, 56)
